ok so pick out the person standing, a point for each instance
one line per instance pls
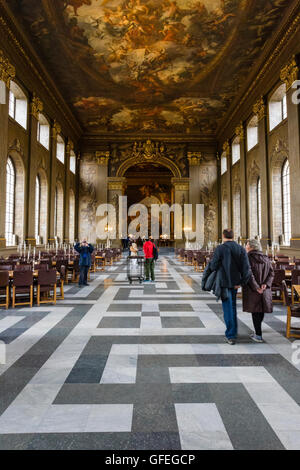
(257, 294)
(149, 249)
(231, 260)
(85, 250)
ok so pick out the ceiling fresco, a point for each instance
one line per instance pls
(169, 66)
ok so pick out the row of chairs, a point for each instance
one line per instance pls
(21, 288)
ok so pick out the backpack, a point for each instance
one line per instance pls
(155, 253)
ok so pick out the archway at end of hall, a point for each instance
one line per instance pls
(151, 183)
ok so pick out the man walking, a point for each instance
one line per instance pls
(231, 261)
(84, 249)
(149, 252)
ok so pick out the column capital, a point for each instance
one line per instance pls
(226, 147)
(116, 183)
(70, 146)
(289, 73)
(102, 158)
(181, 184)
(56, 129)
(36, 106)
(259, 108)
(194, 158)
(239, 131)
(7, 70)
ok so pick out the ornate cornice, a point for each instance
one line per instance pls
(289, 73)
(36, 106)
(70, 146)
(181, 184)
(7, 70)
(239, 131)
(194, 158)
(116, 184)
(259, 108)
(56, 129)
(102, 158)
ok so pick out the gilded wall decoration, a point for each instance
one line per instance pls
(88, 197)
(149, 65)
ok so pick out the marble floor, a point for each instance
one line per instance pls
(119, 366)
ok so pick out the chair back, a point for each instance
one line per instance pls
(296, 277)
(41, 267)
(22, 278)
(4, 278)
(279, 276)
(47, 278)
(6, 267)
(23, 267)
(286, 297)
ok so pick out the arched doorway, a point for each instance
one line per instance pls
(150, 183)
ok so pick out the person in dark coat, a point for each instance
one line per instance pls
(232, 261)
(85, 250)
(257, 294)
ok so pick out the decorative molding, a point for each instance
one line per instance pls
(70, 146)
(36, 106)
(259, 108)
(226, 147)
(102, 158)
(289, 73)
(194, 158)
(116, 184)
(180, 184)
(7, 70)
(239, 131)
(56, 129)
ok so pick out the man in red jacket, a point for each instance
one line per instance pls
(149, 260)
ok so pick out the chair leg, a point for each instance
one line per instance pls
(7, 297)
(62, 294)
(14, 297)
(54, 294)
(31, 296)
(288, 323)
(38, 295)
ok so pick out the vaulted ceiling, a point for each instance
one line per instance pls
(161, 66)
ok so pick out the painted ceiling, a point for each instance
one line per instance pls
(169, 66)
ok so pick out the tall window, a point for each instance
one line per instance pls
(43, 131)
(237, 212)
(10, 202)
(286, 203)
(236, 151)
(18, 105)
(223, 163)
(37, 206)
(60, 149)
(73, 162)
(252, 133)
(277, 107)
(55, 211)
(258, 195)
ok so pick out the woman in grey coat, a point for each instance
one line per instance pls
(257, 294)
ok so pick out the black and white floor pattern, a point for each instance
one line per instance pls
(115, 366)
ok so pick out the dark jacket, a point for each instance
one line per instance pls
(232, 261)
(211, 282)
(85, 254)
(262, 272)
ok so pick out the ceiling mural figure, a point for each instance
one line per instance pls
(169, 66)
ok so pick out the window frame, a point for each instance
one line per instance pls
(10, 204)
(37, 214)
(286, 202)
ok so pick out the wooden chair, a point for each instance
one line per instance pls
(4, 288)
(46, 282)
(60, 283)
(22, 284)
(293, 311)
(279, 276)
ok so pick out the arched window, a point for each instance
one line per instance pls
(72, 217)
(258, 196)
(37, 207)
(18, 105)
(286, 202)
(10, 202)
(237, 212)
(58, 212)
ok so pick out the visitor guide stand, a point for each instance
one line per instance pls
(135, 268)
